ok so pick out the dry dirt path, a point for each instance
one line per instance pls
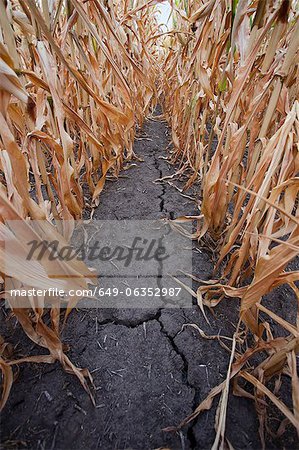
(149, 372)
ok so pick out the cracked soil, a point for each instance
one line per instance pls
(149, 370)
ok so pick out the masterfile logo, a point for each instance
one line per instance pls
(114, 264)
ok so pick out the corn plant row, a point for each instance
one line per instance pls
(76, 80)
(230, 94)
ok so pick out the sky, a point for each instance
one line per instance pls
(165, 10)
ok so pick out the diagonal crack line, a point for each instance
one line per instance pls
(190, 431)
(176, 349)
(156, 316)
(161, 196)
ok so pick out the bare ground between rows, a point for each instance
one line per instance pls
(149, 371)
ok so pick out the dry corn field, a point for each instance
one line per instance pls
(109, 117)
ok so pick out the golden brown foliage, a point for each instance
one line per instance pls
(231, 97)
(76, 80)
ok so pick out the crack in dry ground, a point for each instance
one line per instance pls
(150, 372)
